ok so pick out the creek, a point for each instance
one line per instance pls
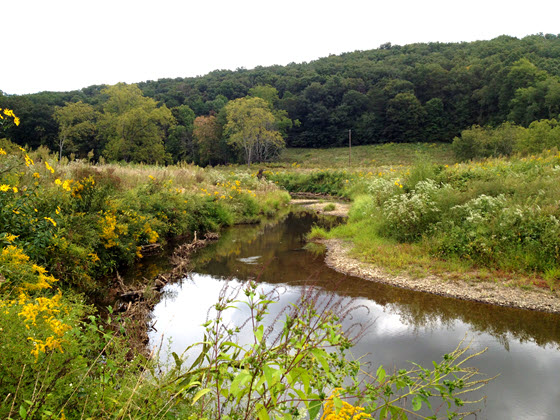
(523, 346)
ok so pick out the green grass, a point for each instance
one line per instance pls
(369, 156)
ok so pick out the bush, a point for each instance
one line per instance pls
(541, 135)
(321, 182)
(406, 217)
(479, 142)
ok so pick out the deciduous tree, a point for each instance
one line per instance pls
(251, 127)
(76, 127)
(133, 125)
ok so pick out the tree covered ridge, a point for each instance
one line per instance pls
(417, 92)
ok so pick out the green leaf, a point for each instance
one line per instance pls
(268, 374)
(416, 403)
(259, 333)
(320, 354)
(22, 412)
(188, 386)
(380, 374)
(178, 361)
(231, 344)
(314, 408)
(383, 413)
(337, 402)
(299, 374)
(241, 378)
(263, 414)
(199, 394)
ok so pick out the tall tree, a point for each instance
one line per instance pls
(212, 148)
(133, 126)
(251, 127)
(76, 127)
(404, 117)
(179, 143)
(270, 95)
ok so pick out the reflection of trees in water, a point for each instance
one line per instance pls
(270, 241)
(423, 310)
(283, 260)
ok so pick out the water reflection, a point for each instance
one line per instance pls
(523, 345)
(283, 259)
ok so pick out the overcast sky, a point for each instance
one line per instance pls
(63, 45)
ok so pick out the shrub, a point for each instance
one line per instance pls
(479, 142)
(541, 135)
(406, 217)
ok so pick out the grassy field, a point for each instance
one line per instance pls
(370, 156)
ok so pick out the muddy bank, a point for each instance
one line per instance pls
(339, 259)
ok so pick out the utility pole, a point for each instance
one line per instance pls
(349, 147)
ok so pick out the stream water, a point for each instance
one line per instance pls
(523, 346)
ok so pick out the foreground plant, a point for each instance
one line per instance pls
(298, 365)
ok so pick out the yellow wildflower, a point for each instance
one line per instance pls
(4, 187)
(10, 238)
(49, 167)
(58, 181)
(36, 175)
(15, 189)
(28, 161)
(50, 220)
(2, 151)
(346, 412)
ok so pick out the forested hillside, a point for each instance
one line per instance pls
(419, 92)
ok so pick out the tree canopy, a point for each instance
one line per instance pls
(133, 126)
(76, 127)
(417, 92)
(251, 127)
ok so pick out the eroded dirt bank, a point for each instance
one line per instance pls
(339, 259)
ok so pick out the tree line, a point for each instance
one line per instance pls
(418, 92)
(128, 126)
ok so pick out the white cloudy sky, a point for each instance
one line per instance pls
(69, 44)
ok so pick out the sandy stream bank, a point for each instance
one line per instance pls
(338, 258)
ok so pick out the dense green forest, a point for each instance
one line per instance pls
(418, 92)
